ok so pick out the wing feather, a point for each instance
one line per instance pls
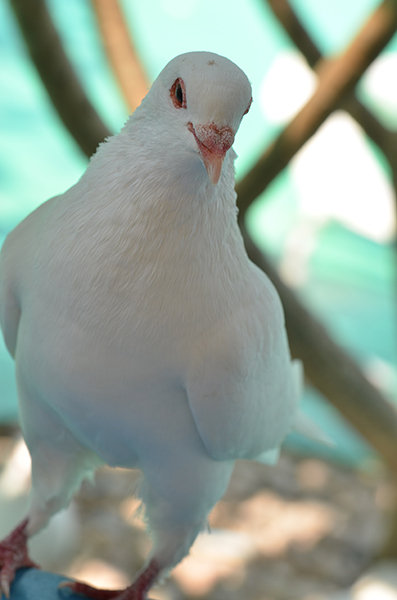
(9, 306)
(243, 387)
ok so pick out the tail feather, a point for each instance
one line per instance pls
(306, 427)
(303, 424)
(297, 369)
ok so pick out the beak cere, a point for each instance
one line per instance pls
(213, 142)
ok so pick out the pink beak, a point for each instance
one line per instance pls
(213, 143)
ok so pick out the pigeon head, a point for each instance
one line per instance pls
(202, 97)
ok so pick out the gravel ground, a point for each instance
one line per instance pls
(287, 532)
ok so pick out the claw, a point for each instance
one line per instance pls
(82, 589)
(13, 556)
(137, 591)
(4, 587)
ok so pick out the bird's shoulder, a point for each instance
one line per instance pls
(15, 262)
(22, 240)
(248, 335)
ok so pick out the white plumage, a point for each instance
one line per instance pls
(143, 336)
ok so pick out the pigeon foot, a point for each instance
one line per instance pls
(87, 591)
(137, 591)
(13, 555)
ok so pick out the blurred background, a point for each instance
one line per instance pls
(326, 224)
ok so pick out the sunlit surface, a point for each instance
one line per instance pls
(305, 530)
(379, 584)
(337, 178)
(286, 87)
(15, 477)
(379, 87)
(282, 534)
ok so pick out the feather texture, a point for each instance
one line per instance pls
(143, 336)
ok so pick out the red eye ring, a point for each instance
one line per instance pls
(178, 93)
(248, 107)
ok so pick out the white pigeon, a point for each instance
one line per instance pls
(143, 336)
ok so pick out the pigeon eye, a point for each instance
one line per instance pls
(248, 107)
(177, 93)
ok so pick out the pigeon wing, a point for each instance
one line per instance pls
(243, 388)
(16, 259)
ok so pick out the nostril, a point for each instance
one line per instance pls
(215, 138)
